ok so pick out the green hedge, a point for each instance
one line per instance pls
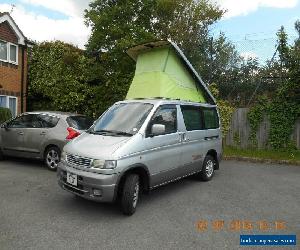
(5, 114)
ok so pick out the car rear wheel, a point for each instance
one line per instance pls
(130, 194)
(52, 158)
(208, 168)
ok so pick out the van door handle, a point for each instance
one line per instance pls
(183, 137)
(43, 133)
(180, 137)
(21, 133)
(211, 137)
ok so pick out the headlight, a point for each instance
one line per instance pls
(63, 156)
(110, 164)
(104, 164)
(98, 163)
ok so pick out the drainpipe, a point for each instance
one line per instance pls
(22, 79)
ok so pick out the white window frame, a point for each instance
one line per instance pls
(7, 102)
(8, 44)
(17, 53)
(7, 54)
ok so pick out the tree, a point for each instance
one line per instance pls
(58, 78)
(90, 81)
(105, 72)
(290, 60)
(187, 22)
(119, 25)
(283, 109)
(222, 58)
(283, 47)
(293, 90)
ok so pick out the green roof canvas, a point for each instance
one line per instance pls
(162, 71)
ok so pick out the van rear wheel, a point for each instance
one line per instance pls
(208, 168)
(130, 194)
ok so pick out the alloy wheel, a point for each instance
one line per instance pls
(209, 168)
(136, 194)
(52, 159)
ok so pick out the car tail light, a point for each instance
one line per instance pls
(72, 133)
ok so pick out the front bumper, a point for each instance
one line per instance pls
(87, 182)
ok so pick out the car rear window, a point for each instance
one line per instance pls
(80, 122)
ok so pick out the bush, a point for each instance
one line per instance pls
(5, 114)
(226, 111)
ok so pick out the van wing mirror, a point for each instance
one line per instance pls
(158, 129)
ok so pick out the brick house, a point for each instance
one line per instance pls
(13, 65)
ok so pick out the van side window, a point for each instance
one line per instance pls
(211, 119)
(165, 115)
(192, 117)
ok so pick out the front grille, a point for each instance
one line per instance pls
(78, 160)
(75, 190)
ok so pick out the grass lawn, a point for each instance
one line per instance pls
(293, 157)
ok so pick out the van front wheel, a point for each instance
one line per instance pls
(1, 156)
(208, 168)
(130, 194)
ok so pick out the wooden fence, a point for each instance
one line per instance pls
(239, 131)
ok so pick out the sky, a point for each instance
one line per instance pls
(250, 24)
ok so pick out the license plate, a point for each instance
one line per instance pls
(72, 179)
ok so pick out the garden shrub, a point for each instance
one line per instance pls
(5, 114)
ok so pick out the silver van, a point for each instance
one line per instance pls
(138, 145)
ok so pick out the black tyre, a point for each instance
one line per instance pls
(1, 156)
(208, 168)
(52, 158)
(130, 194)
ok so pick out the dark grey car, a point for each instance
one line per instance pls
(41, 135)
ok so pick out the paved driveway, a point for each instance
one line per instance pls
(36, 214)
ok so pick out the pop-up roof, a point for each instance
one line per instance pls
(163, 71)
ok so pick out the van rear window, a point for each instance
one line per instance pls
(80, 122)
(211, 119)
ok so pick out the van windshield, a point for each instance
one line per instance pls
(123, 119)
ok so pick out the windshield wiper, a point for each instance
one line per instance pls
(98, 132)
(104, 131)
(123, 133)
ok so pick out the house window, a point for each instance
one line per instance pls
(3, 51)
(9, 102)
(13, 53)
(8, 52)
